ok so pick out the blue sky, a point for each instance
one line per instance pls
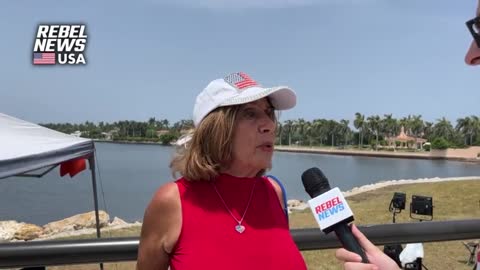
(149, 58)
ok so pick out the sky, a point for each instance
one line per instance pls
(150, 58)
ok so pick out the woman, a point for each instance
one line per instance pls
(222, 213)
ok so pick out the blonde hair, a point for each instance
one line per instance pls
(210, 148)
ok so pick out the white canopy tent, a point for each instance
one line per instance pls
(26, 148)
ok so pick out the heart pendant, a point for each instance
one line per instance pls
(240, 228)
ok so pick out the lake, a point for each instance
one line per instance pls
(129, 174)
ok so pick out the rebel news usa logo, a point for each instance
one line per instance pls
(62, 44)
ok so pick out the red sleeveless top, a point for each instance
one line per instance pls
(208, 239)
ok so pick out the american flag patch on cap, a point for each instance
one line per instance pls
(240, 80)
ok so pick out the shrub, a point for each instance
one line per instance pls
(167, 138)
(440, 143)
(426, 147)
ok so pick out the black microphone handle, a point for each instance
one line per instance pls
(349, 242)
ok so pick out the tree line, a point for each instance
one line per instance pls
(374, 130)
(364, 131)
(153, 130)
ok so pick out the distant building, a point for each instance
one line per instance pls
(77, 133)
(162, 131)
(107, 135)
(406, 141)
(186, 131)
(112, 133)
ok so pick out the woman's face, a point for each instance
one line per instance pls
(254, 136)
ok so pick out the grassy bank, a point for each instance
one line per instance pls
(372, 208)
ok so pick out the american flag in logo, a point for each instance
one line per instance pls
(44, 58)
(240, 80)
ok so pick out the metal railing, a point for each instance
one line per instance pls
(65, 252)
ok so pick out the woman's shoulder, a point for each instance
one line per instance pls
(165, 197)
(274, 183)
(161, 220)
(170, 191)
(276, 186)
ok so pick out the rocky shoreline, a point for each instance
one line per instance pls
(13, 231)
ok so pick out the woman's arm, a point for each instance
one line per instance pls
(278, 190)
(160, 229)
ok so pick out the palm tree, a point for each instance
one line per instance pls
(344, 130)
(465, 127)
(359, 124)
(288, 126)
(333, 128)
(389, 125)
(165, 123)
(309, 132)
(318, 127)
(151, 122)
(416, 125)
(122, 125)
(443, 128)
(427, 130)
(476, 128)
(279, 132)
(300, 126)
(374, 126)
(182, 125)
(101, 126)
(405, 123)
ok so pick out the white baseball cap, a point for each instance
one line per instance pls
(239, 88)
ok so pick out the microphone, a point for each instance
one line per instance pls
(331, 210)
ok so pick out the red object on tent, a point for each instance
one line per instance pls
(73, 167)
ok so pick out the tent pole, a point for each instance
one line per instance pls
(91, 160)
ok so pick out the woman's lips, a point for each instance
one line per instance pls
(266, 147)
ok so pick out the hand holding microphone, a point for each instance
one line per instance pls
(330, 209)
(332, 213)
(378, 259)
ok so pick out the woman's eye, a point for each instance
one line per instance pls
(271, 114)
(250, 114)
(257, 114)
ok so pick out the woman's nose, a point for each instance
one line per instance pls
(267, 126)
(473, 55)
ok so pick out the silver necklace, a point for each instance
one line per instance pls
(239, 227)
